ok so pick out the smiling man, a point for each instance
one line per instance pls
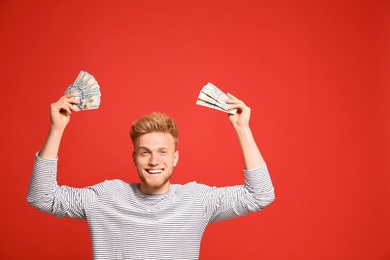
(152, 219)
(155, 155)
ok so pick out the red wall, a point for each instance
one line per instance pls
(315, 73)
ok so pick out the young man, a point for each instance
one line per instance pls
(152, 219)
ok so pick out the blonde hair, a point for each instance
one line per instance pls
(155, 122)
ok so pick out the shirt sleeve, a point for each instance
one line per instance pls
(234, 201)
(61, 201)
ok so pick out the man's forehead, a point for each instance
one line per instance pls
(155, 139)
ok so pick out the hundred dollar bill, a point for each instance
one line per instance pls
(212, 97)
(206, 104)
(219, 103)
(84, 78)
(91, 102)
(86, 90)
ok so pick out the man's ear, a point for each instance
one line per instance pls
(133, 155)
(176, 158)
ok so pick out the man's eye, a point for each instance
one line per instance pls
(164, 151)
(144, 153)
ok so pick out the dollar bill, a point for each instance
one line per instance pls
(86, 90)
(91, 102)
(212, 97)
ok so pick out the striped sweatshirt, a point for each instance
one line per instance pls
(124, 223)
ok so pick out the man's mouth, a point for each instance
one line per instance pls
(154, 171)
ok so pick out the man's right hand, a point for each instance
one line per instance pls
(61, 110)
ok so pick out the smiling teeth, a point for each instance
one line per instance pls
(154, 171)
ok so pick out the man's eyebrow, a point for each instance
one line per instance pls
(143, 148)
(159, 148)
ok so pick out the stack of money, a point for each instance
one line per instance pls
(86, 90)
(212, 97)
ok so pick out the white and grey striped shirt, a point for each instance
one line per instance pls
(126, 224)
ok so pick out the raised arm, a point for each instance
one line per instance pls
(240, 121)
(44, 193)
(60, 112)
(257, 192)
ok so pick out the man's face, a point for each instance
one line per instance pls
(155, 156)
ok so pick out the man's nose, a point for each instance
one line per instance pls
(153, 160)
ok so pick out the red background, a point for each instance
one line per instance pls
(315, 73)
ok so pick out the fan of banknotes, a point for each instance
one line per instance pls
(86, 90)
(212, 97)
